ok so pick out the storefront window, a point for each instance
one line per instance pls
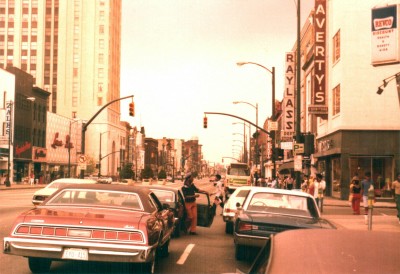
(381, 172)
(336, 176)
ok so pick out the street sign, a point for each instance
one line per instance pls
(298, 148)
(272, 125)
(298, 163)
(82, 159)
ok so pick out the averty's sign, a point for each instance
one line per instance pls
(318, 99)
(288, 96)
(385, 35)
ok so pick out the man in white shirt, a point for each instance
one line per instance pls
(319, 188)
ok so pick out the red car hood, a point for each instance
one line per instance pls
(99, 217)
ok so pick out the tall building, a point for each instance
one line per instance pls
(72, 50)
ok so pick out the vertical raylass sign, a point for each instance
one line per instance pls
(385, 35)
(288, 98)
(319, 104)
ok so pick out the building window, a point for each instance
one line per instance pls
(101, 44)
(101, 29)
(101, 58)
(336, 47)
(74, 101)
(336, 100)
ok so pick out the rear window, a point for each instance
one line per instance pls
(91, 197)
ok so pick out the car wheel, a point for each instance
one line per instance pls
(163, 251)
(177, 231)
(229, 228)
(239, 252)
(149, 267)
(39, 265)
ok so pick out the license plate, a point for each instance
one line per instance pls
(75, 254)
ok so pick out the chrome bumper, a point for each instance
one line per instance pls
(104, 252)
(247, 240)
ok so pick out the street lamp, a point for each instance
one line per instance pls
(69, 146)
(247, 159)
(256, 145)
(272, 71)
(101, 134)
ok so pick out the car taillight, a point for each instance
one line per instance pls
(244, 226)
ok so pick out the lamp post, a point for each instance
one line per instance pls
(272, 71)
(69, 147)
(244, 139)
(101, 134)
(256, 145)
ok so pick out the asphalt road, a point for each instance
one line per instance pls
(212, 251)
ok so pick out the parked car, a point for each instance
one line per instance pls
(174, 198)
(335, 251)
(41, 195)
(229, 211)
(93, 222)
(268, 211)
(104, 180)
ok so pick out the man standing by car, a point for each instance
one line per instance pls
(189, 191)
(319, 188)
(219, 193)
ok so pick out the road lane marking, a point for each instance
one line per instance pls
(185, 254)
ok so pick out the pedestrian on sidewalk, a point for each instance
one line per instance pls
(355, 191)
(365, 185)
(396, 187)
(319, 188)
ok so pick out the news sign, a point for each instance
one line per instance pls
(385, 35)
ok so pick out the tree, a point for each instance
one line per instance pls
(148, 173)
(162, 174)
(127, 172)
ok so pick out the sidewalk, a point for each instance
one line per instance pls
(380, 222)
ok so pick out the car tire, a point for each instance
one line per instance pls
(163, 251)
(149, 267)
(39, 265)
(229, 228)
(239, 252)
(177, 231)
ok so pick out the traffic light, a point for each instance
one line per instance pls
(132, 109)
(277, 153)
(205, 122)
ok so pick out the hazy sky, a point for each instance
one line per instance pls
(179, 60)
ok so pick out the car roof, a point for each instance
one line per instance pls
(255, 189)
(334, 251)
(74, 181)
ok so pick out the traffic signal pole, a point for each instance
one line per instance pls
(240, 118)
(85, 125)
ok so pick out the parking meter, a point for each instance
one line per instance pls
(371, 200)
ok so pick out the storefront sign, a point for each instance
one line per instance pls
(385, 35)
(319, 103)
(288, 96)
(39, 154)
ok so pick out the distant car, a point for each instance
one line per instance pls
(229, 211)
(41, 195)
(104, 180)
(329, 251)
(93, 222)
(174, 198)
(267, 211)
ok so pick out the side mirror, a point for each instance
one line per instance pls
(238, 206)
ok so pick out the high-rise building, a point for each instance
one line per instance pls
(72, 50)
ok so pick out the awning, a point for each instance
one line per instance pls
(286, 167)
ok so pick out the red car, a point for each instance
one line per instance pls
(105, 223)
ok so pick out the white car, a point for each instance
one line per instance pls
(228, 214)
(41, 195)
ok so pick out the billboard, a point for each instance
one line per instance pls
(385, 35)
